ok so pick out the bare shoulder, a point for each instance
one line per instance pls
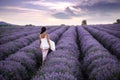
(47, 35)
(40, 36)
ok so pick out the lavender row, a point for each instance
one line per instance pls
(98, 63)
(62, 64)
(7, 31)
(115, 27)
(25, 62)
(111, 42)
(112, 32)
(17, 36)
(13, 46)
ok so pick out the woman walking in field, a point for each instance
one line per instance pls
(44, 43)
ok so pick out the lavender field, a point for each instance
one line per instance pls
(90, 52)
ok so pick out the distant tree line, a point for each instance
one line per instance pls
(29, 25)
(84, 22)
(6, 25)
(117, 21)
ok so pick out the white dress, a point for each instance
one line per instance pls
(52, 43)
(44, 43)
(45, 46)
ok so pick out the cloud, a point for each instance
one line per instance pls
(93, 2)
(62, 15)
(59, 11)
(68, 13)
(18, 8)
(13, 2)
(29, 16)
(100, 8)
(57, 5)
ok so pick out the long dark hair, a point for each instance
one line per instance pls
(43, 29)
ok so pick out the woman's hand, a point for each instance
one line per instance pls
(41, 49)
(50, 46)
(48, 39)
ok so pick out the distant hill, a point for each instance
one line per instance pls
(2, 23)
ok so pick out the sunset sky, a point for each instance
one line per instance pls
(55, 12)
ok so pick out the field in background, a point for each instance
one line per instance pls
(82, 53)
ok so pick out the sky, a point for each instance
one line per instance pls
(56, 12)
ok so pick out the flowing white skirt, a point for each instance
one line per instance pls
(44, 53)
(45, 48)
(52, 43)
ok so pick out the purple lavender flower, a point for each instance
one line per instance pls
(108, 40)
(96, 57)
(13, 70)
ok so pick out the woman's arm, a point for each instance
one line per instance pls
(48, 39)
(40, 41)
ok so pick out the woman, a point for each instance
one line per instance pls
(44, 43)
